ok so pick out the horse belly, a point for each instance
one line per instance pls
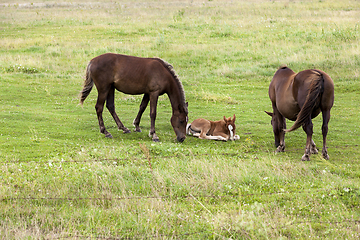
(289, 109)
(136, 84)
(131, 87)
(130, 90)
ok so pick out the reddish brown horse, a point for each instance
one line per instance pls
(133, 75)
(300, 97)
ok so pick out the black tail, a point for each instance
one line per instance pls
(312, 101)
(88, 85)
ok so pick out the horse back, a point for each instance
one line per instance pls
(129, 74)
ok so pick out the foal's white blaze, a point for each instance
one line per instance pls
(231, 132)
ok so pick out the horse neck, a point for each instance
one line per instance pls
(176, 96)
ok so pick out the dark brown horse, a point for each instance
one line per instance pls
(133, 75)
(300, 97)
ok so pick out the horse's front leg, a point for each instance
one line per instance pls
(278, 123)
(142, 108)
(280, 134)
(153, 104)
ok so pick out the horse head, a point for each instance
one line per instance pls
(230, 126)
(179, 121)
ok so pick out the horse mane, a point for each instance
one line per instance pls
(170, 68)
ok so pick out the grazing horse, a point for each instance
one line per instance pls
(300, 97)
(213, 130)
(133, 75)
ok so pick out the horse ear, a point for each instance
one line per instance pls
(234, 117)
(225, 119)
(269, 113)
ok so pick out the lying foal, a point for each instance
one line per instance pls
(219, 130)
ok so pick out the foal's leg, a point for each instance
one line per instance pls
(220, 136)
(99, 107)
(308, 128)
(110, 105)
(204, 128)
(202, 135)
(142, 108)
(326, 119)
(153, 104)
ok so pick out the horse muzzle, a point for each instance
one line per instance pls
(181, 139)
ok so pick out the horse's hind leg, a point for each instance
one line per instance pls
(142, 108)
(110, 105)
(313, 148)
(99, 107)
(326, 119)
(308, 128)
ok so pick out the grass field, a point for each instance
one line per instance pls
(61, 179)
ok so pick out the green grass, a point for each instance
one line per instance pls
(60, 178)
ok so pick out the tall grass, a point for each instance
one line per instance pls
(60, 178)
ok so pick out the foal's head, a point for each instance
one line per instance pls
(179, 121)
(230, 126)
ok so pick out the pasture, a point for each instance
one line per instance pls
(60, 178)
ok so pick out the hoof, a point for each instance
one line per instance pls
(280, 149)
(314, 151)
(126, 131)
(305, 158)
(138, 130)
(108, 135)
(156, 140)
(326, 156)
